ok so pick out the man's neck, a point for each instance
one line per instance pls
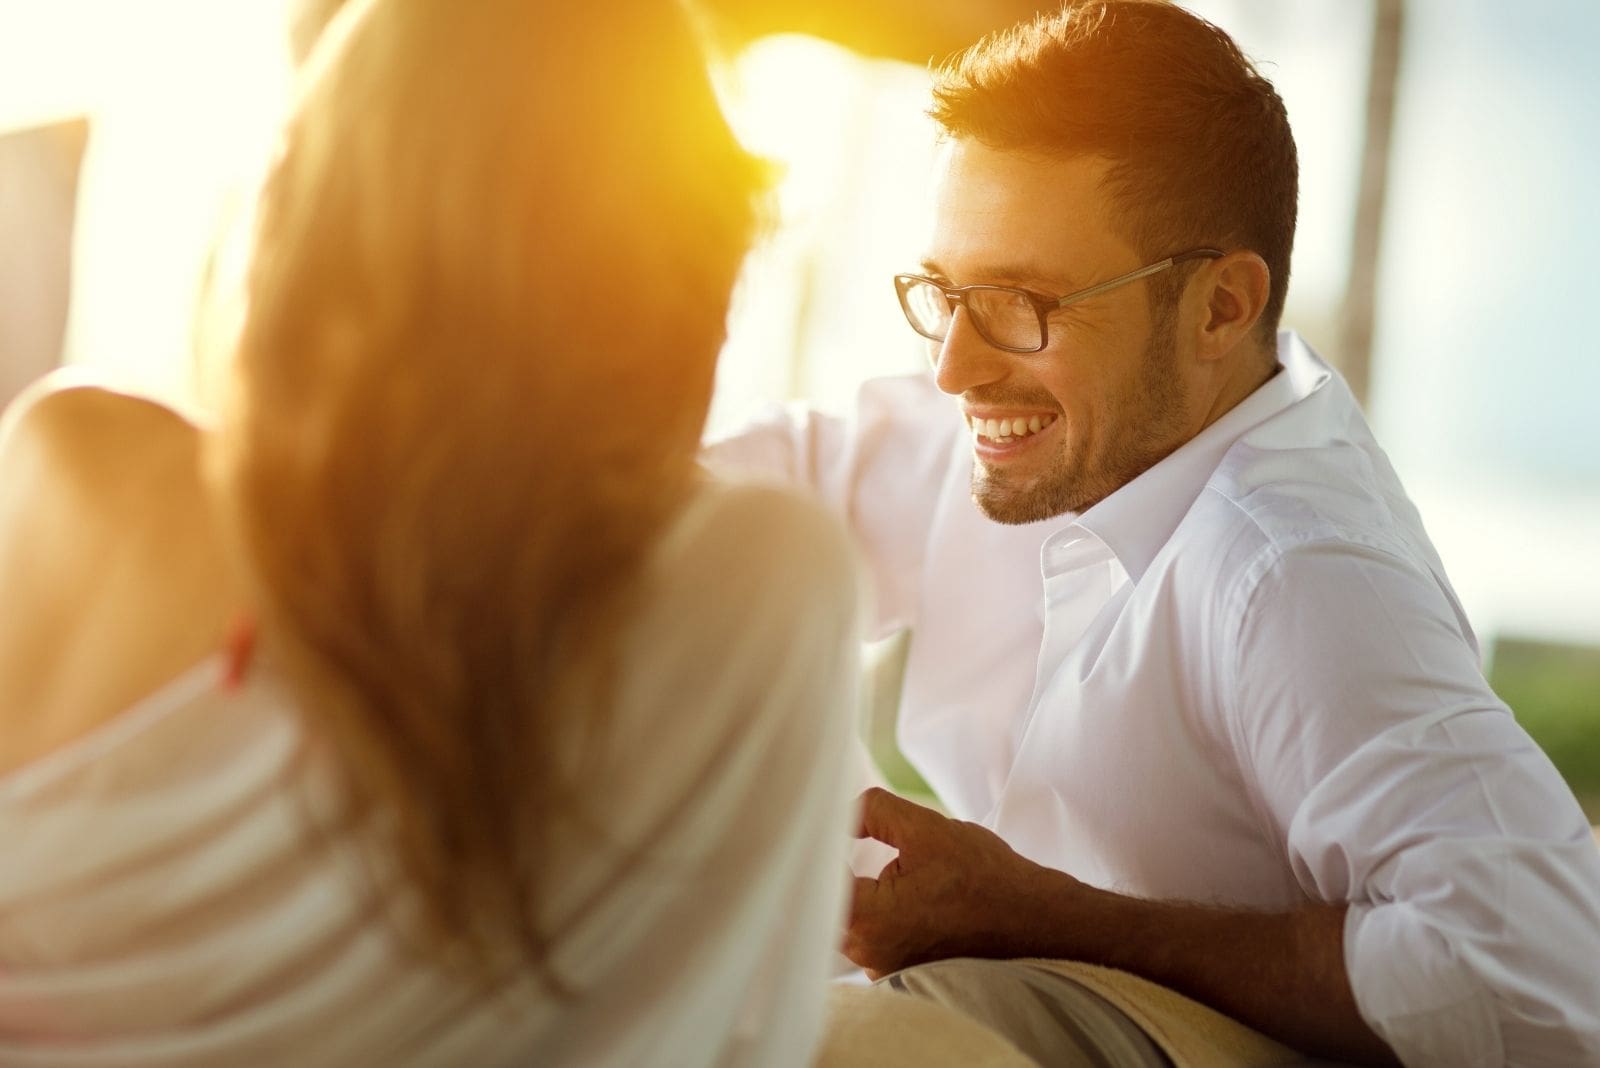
(1250, 373)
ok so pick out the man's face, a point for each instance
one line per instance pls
(1107, 391)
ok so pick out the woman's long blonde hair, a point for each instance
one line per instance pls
(489, 284)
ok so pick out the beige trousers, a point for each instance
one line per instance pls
(1050, 1018)
(1023, 1013)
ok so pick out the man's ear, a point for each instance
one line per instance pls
(1232, 292)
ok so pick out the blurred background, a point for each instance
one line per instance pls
(1448, 220)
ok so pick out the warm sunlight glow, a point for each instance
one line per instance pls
(785, 96)
(853, 149)
(182, 96)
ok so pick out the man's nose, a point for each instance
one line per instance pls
(965, 360)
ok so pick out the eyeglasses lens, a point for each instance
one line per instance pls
(1006, 317)
(1002, 316)
(928, 309)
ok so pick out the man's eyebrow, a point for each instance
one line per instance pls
(1023, 275)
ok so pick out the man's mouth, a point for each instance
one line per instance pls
(1007, 430)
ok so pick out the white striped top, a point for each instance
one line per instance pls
(165, 901)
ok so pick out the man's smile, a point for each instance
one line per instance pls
(999, 434)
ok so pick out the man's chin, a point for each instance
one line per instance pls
(1004, 502)
(1002, 509)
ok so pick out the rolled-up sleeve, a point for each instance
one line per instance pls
(879, 469)
(1400, 784)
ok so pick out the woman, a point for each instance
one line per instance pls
(428, 709)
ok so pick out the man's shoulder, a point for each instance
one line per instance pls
(1272, 542)
(1266, 504)
(1316, 492)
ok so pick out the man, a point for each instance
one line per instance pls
(1240, 743)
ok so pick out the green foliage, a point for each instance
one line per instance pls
(1555, 692)
(884, 666)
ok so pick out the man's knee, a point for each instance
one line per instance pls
(1051, 1018)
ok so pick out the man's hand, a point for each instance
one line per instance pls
(955, 890)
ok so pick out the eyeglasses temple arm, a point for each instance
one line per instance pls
(1142, 272)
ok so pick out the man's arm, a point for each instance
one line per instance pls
(957, 889)
(879, 469)
(1395, 782)
(1398, 782)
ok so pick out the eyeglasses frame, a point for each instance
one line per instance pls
(1042, 305)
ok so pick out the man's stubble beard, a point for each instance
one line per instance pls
(1156, 410)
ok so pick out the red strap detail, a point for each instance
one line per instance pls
(239, 648)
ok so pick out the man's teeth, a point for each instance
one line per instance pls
(1004, 430)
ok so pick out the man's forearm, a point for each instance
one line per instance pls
(957, 889)
(1281, 973)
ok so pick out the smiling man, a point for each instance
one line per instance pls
(1184, 665)
(1050, 434)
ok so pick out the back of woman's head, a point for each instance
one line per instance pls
(490, 282)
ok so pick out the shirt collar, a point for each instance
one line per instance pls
(1138, 519)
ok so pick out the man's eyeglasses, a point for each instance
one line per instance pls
(1006, 317)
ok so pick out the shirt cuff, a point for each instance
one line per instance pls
(1414, 994)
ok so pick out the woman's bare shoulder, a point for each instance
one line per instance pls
(113, 577)
(69, 427)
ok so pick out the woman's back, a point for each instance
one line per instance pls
(113, 574)
(540, 756)
(172, 894)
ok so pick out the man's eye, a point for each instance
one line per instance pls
(1008, 302)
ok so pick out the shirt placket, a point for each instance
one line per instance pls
(1078, 582)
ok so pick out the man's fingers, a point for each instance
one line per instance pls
(862, 892)
(856, 947)
(888, 818)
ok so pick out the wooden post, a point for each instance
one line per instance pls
(1354, 357)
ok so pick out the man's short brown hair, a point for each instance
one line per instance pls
(1199, 141)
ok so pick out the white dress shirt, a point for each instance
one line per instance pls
(1242, 678)
(165, 904)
